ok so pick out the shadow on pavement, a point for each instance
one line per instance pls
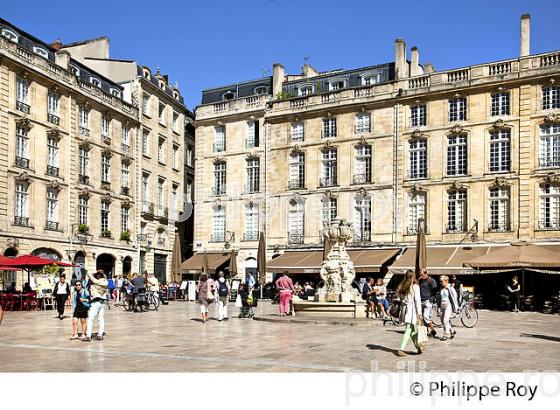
(382, 348)
(545, 337)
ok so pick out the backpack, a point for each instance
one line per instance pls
(222, 288)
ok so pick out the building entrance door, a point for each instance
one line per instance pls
(160, 265)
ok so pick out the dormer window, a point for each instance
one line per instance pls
(40, 51)
(305, 90)
(115, 93)
(337, 85)
(260, 90)
(162, 85)
(371, 79)
(95, 82)
(10, 35)
(228, 95)
(147, 74)
(75, 70)
(175, 95)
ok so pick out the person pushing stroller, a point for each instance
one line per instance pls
(246, 302)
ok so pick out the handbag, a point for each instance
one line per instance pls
(209, 293)
(422, 334)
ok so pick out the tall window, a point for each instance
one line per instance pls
(329, 210)
(146, 104)
(550, 146)
(146, 142)
(219, 138)
(457, 211)
(104, 127)
(500, 104)
(219, 224)
(363, 123)
(52, 108)
(52, 156)
(297, 170)
(329, 128)
(22, 204)
(253, 167)
(329, 167)
(457, 154)
(297, 131)
(83, 120)
(295, 222)
(362, 154)
(83, 205)
(550, 98)
(251, 222)
(145, 193)
(362, 219)
(175, 156)
(550, 206)
(52, 209)
(161, 150)
(160, 196)
(105, 218)
(105, 168)
(418, 156)
(125, 139)
(457, 109)
(189, 191)
(22, 147)
(500, 150)
(83, 162)
(499, 209)
(22, 95)
(173, 200)
(252, 134)
(219, 178)
(161, 113)
(125, 175)
(418, 116)
(124, 218)
(416, 210)
(175, 121)
(189, 158)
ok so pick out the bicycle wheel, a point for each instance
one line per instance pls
(154, 303)
(469, 316)
(436, 316)
(126, 305)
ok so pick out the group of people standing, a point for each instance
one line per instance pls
(211, 291)
(416, 298)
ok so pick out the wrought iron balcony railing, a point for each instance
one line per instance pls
(218, 237)
(545, 162)
(53, 119)
(125, 191)
(21, 220)
(550, 225)
(51, 226)
(363, 236)
(147, 208)
(83, 179)
(459, 227)
(22, 162)
(218, 190)
(361, 178)
(296, 185)
(52, 171)
(327, 181)
(499, 227)
(251, 236)
(295, 238)
(23, 107)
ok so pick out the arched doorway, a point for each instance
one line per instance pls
(11, 252)
(47, 253)
(80, 265)
(106, 262)
(126, 266)
(251, 267)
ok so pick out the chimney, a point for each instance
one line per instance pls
(57, 44)
(62, 59)
(429, 68)
(401, 67)
(525, 35)
(278, 78)
(309, 71)
(414, 62)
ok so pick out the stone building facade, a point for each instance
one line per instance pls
(472, 152)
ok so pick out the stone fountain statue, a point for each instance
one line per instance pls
(337, 271)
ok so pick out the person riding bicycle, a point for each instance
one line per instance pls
(153, 285)
(428, 290)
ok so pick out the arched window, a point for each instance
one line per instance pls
(94, 81)
(40, 51)
(10, 35)
(75, 70)
(228, 95)
(115, 92)
(260, 90)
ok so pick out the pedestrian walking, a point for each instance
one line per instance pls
(81, 305)
(428, 289)
(110, 289)
(250, 282)
(205, 292)
(448, 305)
(368, 295)
(61, 293)
(408, 292)
(98, 292)
(224, 293)
(285, 285)
(118, 289)
(514, 289)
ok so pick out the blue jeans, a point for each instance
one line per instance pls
(384, 302)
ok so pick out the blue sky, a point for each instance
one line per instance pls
(204, 44)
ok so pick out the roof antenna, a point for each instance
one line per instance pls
(265, 72)
(306, 59)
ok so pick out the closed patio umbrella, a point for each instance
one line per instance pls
(421, 257)
(176, 260)
(261, 259)
(232, 264)
(205, 268)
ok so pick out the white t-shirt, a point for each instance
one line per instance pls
(61, 288)
(154, 284)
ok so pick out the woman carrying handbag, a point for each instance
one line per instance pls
(408, 292)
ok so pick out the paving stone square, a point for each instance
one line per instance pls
(174, 340)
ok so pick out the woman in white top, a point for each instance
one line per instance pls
(408, 292)
(448, 305)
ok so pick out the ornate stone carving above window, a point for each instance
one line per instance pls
(23, 177)
(552, 117)
(500, 182)
(552, 178)
(417, 134)
(417, 188)
(54, 185)
(106, 199)
(54, 133)
(457, 186)
(24, 122)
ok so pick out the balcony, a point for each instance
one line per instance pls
(125, 148)
(22, 162)
(295, 238)
(23, 107)
(218, 237)
(296, 137)
(106, 185)
(105, 233)
(460, 227)
(328, 133)
(53, 119)
(218, 190)
(296, 185)
(327, 182)
(329, 98)
(251, 236)
(51, 226)
(499, 227)
(551, 225)
(219, 147)
(125, 191)
(222, 107)
(106, 139)
(147, 209)
(142, 238)
(364, 236)
(457, 76)
(252, 188)
(83, 131)
(162, 213)
(21, 221)
(298, 104)
(546, 162)
(83, 179)
(361, 179)
(52, 171)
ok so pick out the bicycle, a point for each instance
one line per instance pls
(152, 299)
(466, 312)
(392, 298)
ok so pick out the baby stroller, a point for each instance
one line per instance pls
(246, 304)
(141, 301)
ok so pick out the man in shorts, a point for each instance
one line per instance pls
(428, 288)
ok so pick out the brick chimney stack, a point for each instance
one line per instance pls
(57, 44)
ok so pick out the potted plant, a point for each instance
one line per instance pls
(83, 228)
(105, 233)
(125, 236)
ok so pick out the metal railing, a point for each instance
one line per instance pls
(296, 185)
(252, 188)
(21, 220)
(141, 237)
(219, 147)
(125, 148)
(52, 171)
(83, 131)
(147, 208)
(364, 236)
(23, 107)
(218, 190)
(251, 236)
(499, 227)
(552, 225)
(125, 190)
(460, 227)
(22, 162)
(83, 179)
(361, 178)
(53, 119)
(51, 226)
(326, 182)
(545, 162)
(295, 238)
(218, 237)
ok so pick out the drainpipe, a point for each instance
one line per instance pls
(395, 171)
(68, 177)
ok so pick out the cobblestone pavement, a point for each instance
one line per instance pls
(174, 340)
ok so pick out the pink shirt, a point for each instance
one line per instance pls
(284, 283)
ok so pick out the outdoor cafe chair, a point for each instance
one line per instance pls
(29, 300)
